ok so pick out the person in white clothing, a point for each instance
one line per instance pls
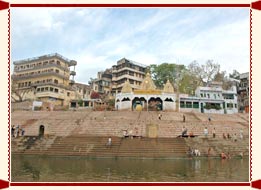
(206, 132)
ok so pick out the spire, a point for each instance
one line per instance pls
(168, 88)
(126, 87)
(147, 83)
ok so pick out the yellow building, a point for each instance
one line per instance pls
(46, 78)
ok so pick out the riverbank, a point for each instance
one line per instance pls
(158, 148)
(85, 133)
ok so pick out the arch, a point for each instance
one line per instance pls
(168, 100)
(117, 100)
(125, 99)
(138, 101)
(41, 130)
(155, 104)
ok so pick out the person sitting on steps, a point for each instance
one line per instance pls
(184, 131)
(109, 143)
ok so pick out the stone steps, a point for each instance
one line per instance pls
(95, 147)
(82, 122)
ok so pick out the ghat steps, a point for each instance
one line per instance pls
(91, 146)
(97, 123)
(84, 133)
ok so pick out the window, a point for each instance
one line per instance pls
(182, 104)
(51, 89)
(208, 95)
(42, 89)
(68, 93)
(228, 96)
(38, 89)
(188, 104)
(55, 81)
(56, 90)
(46, 89)
(56, 70)
(229, 105)
(195, 104)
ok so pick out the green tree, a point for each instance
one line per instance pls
(165, 71)
(188, 83)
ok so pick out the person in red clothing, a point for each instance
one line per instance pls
(223, 155)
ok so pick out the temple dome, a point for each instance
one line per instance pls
(168, 88)
(126, 87)
(147, 83)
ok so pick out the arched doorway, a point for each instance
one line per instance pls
(155, 104)
(138, 101)
(41, 131)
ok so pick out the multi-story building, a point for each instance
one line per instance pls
(83, 91)
(102, 84)
(211, 99)
(243, 92)
(45, 78)
(127, 70)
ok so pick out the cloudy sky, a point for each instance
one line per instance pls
(97, 37)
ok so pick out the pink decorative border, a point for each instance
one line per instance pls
(250, 98)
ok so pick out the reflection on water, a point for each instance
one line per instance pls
(54, 169)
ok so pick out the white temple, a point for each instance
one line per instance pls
(147, 98)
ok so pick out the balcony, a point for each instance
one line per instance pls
(51, 84)
(49, 94)
(36, 75)
(71, 82)
(66, 69)
(129, 77)
(72, 73)
(72, 63)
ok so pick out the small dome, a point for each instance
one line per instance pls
(147, 83)
(126, 87)
(168, 88)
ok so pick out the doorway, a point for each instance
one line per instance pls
(41, 131)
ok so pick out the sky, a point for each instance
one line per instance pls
(98, 37)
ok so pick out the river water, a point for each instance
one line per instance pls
(80, 169)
